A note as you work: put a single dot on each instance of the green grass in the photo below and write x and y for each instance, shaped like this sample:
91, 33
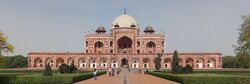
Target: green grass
35, 77
207, 77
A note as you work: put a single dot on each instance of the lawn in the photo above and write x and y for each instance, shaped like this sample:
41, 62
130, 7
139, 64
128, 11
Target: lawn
207, 77
35, 77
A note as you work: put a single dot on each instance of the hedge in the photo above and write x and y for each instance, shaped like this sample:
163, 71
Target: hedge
213, 71
39, 79
222, 79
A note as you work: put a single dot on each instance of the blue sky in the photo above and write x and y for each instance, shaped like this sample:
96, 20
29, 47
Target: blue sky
59, 25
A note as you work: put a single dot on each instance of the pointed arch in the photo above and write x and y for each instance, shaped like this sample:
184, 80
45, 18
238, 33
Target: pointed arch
167, 63
82, 63
59, 61
104, 63
114, 63
190, 61
93, 63
38, 62
49, 61
151, 47
200, 63
124, 44
135, 63
146, 63
99, 47
211, 63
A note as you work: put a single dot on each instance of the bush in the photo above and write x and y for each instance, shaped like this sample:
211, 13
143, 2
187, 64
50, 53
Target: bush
188, 69
186, 79
158, 62
63, 68
38, 79
48, 70
72, 68
176, 68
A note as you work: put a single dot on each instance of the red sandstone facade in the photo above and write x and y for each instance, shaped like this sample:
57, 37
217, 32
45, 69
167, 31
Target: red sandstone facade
125, 45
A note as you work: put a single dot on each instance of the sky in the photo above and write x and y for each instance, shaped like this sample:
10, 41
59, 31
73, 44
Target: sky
60, 25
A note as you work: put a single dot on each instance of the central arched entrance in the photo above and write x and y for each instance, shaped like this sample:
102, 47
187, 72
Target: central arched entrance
124, 62
124, 45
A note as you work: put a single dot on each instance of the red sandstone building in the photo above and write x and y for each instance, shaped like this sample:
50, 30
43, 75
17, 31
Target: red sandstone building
124, 45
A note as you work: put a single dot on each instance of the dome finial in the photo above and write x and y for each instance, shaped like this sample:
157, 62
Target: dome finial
124, 11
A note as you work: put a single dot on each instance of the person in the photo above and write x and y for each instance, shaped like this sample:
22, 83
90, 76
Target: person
94, 73
109, 72
140, 71
113, 72
118, 71
146, 71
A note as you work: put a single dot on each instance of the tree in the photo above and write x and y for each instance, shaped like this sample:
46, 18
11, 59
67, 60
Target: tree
72, 68
47, 70
4, 47
63, 68
230, 62
17, 61
2, 61
176, 68
158, 62
243, 48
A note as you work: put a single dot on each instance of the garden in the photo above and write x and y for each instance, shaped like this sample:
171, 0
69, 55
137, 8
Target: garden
206, 77
37, 77
186, 74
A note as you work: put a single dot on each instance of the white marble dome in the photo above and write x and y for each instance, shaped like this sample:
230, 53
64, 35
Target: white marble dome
124, 20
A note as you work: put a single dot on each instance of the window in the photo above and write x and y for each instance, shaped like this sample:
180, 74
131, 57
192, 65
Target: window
87, 43
99, 45
124, 46
99, 51
86, 51
138, 44
150, 45
138, 51
111, 51
111, 44
83, 65
150, 51
162, 43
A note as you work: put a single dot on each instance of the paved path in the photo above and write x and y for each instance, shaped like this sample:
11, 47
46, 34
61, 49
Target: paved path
126, 77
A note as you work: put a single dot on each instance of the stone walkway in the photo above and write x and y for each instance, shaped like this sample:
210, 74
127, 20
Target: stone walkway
126, 77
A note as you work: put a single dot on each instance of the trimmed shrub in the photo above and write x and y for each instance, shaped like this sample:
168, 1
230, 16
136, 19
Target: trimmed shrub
72, 68
176, 68
47, 70
158, 62
63, 68
188, 69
